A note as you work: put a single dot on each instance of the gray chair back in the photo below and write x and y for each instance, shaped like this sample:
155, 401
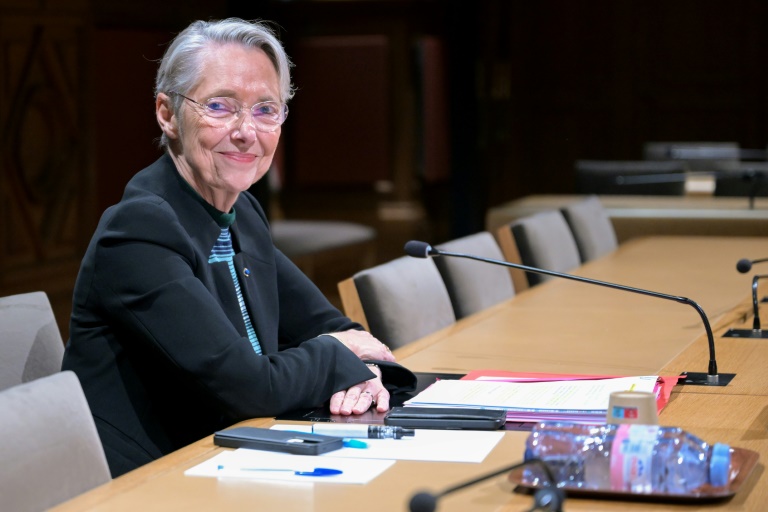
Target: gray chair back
630, 177
545, 241
591, 227
404, 300
30, 341
49, 446
474, 285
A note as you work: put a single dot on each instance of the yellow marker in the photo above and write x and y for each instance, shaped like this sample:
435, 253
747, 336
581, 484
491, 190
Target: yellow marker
632, 387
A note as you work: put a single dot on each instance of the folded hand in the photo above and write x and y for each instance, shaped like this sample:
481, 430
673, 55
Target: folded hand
360, 397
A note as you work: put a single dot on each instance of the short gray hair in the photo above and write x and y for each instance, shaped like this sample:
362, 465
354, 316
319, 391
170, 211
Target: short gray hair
180, 67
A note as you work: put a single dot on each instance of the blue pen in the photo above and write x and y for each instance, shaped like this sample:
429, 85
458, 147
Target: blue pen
313, 472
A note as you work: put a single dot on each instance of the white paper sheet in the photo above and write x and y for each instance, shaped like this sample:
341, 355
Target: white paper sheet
236, 464
566, 396
426, 444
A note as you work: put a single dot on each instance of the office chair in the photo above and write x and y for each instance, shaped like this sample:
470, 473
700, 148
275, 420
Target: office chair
545, 241
630, 177
30, 343
49, 446
399, 301
474, 285
591, 227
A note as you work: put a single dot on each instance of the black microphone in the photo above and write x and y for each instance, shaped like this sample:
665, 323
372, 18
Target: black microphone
756, 331
711, 378
548, 498
744, 265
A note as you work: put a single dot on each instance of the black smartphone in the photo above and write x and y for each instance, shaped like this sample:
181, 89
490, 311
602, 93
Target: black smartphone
298, 443
446, 418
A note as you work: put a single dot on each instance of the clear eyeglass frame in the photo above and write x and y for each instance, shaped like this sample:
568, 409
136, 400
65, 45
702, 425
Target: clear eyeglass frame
268, 116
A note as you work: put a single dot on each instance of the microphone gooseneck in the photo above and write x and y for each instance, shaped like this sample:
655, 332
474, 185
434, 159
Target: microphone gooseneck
424, 250
549, 498
744, 265
756, 321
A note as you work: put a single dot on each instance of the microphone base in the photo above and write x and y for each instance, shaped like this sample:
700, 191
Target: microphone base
702, 379
745, 333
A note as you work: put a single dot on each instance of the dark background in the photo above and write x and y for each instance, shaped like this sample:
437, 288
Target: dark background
411, 116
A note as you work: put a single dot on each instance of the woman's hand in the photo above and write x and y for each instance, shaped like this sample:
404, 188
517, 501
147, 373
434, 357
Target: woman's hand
364, 345
360, 397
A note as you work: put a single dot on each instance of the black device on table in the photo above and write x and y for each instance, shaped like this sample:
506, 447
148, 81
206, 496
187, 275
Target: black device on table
373, 417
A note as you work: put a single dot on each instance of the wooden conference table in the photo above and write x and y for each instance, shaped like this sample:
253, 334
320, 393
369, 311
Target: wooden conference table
560, 326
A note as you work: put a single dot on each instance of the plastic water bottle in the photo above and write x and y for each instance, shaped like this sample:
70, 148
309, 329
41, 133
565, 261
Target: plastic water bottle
626, 458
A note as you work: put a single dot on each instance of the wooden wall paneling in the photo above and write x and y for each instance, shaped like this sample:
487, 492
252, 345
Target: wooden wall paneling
341, 111
126, 130
435, 119
403, 121
45, 178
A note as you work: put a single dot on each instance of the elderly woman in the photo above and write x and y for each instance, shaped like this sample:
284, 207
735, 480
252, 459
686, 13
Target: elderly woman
186, 319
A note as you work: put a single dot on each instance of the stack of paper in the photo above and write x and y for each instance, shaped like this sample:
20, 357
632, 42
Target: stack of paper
532, 400
350, 465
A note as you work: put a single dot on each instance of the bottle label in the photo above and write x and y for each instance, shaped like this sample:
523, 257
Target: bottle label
631, 458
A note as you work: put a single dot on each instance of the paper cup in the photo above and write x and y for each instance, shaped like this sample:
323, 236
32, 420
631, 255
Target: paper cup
632, 407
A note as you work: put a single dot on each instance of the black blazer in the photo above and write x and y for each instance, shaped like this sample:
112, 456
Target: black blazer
157, 337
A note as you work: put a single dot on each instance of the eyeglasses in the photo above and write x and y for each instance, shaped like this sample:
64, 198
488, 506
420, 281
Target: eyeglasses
267, 115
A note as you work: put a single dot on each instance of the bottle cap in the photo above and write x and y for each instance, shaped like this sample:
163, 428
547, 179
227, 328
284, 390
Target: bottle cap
720, 465
632, 407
